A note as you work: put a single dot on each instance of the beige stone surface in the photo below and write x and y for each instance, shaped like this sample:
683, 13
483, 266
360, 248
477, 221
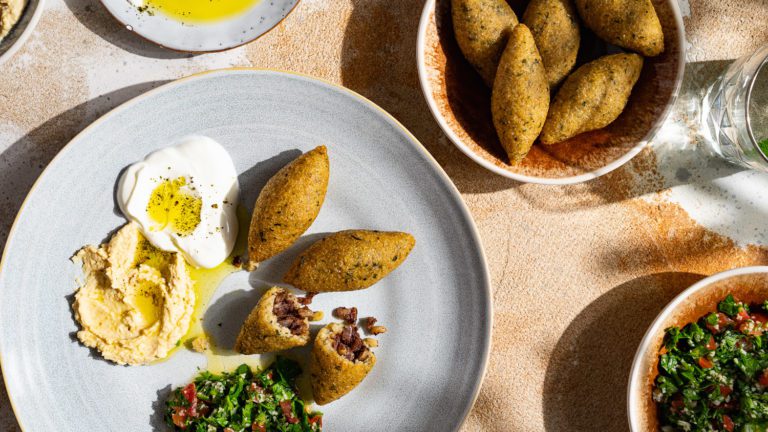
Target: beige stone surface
578, 272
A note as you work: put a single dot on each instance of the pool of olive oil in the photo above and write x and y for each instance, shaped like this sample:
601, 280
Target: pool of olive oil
206, 282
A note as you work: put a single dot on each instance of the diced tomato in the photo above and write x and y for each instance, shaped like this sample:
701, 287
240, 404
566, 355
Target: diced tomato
180, 417
722, 322
711, 345
705, 362
751, 328
190, 393
725, 390
203, 410
258, 427
727, 423
742, 315
745, 344
229, 429
763, 380
743, 327
316, 419
677, 403
288, 411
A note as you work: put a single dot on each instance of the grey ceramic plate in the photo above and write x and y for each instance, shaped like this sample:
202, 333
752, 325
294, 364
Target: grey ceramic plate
436, 305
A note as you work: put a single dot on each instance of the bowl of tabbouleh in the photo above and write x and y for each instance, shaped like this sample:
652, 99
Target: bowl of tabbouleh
703, 363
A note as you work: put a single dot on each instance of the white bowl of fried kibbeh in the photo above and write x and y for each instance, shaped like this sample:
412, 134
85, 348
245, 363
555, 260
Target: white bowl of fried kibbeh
551, 91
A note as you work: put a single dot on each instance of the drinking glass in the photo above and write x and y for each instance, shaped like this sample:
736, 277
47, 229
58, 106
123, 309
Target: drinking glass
734, 112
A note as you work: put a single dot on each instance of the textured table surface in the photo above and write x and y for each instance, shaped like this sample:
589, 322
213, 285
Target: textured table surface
578, 272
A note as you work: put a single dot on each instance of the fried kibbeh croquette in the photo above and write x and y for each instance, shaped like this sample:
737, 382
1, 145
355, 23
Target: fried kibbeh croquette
482, 28
520, 96
592, 97
630, 24
555, 28
278, 322
349, 260
287, 205
340, 361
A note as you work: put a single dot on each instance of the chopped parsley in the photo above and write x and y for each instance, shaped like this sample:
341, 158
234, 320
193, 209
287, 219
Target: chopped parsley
763, 146
713, 373
242, 401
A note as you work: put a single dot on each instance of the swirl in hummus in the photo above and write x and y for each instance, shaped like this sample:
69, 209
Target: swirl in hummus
135, 302
10, 12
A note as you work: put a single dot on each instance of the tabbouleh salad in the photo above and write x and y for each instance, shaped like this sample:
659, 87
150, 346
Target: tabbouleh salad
242, 401
713, 373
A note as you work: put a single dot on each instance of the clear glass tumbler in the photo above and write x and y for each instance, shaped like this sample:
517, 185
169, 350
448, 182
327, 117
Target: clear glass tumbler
734, 112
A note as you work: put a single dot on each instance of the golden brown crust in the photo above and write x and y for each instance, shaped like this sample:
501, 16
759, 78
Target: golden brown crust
592, 97
630, 24
288, 204
482, 28
332, 375
349, 260
262, 333
520, 97
555, 29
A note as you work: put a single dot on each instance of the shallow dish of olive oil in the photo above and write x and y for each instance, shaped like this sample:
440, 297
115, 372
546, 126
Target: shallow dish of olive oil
199, 10
200, 25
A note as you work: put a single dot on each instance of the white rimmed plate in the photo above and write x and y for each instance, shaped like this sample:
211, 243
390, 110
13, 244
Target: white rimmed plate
201, 37
436, 305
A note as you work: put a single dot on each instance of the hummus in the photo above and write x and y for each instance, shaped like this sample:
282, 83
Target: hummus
135, 302
10, 12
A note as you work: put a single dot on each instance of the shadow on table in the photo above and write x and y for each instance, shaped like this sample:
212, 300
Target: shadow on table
253, 179
681, 153
40, 145
96, 18
7, 418
381, 65
585, 386
157, 418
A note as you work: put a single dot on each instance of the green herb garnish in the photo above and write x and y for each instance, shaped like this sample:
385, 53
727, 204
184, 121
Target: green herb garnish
713, 374
242, 401
763, 146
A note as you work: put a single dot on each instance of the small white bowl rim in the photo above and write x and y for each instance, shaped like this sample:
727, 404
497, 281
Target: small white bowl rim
649, 337
429, 7
26, 33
